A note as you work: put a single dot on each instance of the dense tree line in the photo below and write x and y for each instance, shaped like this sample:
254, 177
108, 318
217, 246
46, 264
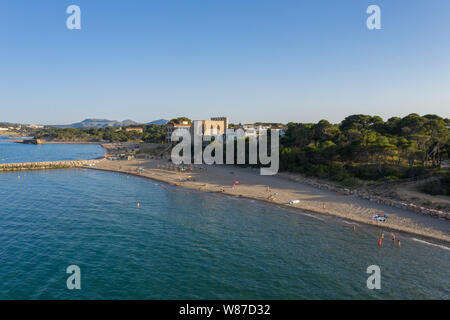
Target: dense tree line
366, 147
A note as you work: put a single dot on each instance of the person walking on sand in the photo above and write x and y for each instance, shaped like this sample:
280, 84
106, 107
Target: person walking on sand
268, 189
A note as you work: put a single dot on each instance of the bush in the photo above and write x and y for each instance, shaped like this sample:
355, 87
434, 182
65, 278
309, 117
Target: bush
352, 182
438, 187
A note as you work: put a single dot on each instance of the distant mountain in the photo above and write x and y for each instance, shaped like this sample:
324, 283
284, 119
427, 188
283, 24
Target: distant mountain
102, 123
9, 124
159, 122
97, 123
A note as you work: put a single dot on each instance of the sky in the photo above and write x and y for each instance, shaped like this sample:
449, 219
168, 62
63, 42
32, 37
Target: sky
250, 60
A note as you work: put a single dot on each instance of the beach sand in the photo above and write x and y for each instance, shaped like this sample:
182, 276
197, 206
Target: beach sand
219, 178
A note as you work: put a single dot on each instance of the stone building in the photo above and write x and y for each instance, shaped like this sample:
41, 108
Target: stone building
215, 126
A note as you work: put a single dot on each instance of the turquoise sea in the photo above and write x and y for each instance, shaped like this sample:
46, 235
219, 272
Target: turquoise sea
182, 244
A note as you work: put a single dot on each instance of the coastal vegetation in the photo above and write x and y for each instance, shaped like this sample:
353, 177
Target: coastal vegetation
180, 120
440, 186
360, 148
365, 147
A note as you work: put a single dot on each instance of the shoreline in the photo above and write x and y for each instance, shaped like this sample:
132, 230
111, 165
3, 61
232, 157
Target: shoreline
399, 220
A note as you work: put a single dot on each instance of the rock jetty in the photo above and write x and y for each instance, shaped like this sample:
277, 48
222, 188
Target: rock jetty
46, 165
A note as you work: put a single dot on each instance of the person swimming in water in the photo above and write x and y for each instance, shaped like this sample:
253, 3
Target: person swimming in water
380, 242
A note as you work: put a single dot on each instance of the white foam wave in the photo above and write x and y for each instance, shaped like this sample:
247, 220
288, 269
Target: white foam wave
431, 244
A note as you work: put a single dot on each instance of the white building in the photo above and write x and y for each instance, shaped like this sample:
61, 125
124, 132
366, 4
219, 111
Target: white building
252, 130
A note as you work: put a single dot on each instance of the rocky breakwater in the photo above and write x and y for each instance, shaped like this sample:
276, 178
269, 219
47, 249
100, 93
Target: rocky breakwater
46, 165
367, 195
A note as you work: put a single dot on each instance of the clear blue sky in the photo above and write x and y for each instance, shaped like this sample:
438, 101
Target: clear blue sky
250, 60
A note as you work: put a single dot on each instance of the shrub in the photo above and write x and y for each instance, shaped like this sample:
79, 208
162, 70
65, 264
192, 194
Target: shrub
438, 187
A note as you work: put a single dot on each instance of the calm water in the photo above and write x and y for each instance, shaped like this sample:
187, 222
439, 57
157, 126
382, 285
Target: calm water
16, 152
186, 245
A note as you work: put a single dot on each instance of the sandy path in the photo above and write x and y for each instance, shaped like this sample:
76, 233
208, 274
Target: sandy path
252, 185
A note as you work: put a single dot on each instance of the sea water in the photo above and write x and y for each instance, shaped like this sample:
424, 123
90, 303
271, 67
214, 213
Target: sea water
182, 244
11, 152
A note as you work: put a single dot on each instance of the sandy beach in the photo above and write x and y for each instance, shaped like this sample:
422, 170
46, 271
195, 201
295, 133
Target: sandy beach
219, 179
